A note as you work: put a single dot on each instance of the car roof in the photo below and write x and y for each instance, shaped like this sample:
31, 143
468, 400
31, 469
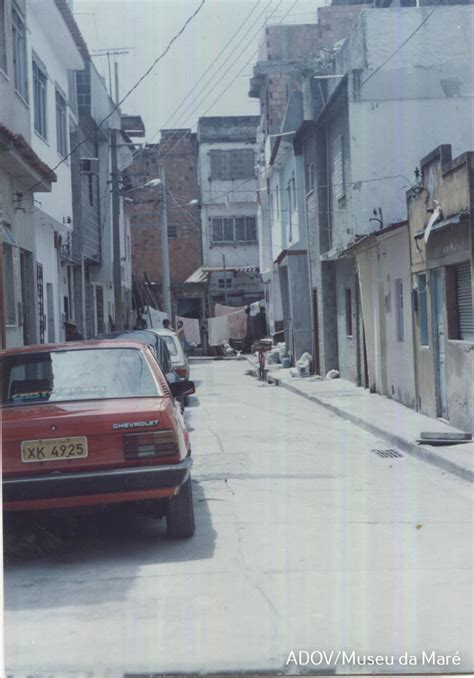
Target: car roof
75, 345
164, 332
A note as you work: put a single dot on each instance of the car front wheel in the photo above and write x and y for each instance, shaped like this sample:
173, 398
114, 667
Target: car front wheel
180, 522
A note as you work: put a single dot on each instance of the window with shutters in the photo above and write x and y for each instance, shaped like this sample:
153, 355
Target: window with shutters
40, 80
61, 124
338, 173
235, 164
465, 315
19, 53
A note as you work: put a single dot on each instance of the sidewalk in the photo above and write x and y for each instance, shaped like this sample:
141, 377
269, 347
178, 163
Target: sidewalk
399, 425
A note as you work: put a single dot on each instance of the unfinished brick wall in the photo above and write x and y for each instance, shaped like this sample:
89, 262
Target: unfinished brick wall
285, 46
178, 151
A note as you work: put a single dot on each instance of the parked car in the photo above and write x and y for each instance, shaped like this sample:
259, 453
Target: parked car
157, 344
91, 423
179, 359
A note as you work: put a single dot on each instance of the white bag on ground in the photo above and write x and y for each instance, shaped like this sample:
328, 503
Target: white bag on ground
304, 365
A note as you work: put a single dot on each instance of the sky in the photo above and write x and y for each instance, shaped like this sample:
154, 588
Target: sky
226, 32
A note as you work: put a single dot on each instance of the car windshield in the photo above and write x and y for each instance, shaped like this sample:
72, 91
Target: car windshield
171, 344
89, 374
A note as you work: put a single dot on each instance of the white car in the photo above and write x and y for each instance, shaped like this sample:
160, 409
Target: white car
179, 359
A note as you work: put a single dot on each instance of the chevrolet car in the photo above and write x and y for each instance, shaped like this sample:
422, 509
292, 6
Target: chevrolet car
92, 423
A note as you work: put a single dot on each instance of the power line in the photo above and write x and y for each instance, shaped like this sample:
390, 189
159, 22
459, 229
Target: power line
207, 71
130, 91
403, 43
215, 84
233, 80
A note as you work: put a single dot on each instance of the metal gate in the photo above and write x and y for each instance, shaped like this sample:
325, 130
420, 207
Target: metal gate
464, 299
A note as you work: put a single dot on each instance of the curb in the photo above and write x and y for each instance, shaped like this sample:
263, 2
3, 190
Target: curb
402, 443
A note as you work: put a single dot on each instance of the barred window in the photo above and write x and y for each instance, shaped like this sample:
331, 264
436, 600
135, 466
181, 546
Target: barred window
234, 229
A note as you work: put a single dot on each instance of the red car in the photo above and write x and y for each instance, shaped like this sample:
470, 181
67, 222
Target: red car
91, 423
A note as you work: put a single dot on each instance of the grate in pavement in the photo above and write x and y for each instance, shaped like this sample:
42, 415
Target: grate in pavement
388, 453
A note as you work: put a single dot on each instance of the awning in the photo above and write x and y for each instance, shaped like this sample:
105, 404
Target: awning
201, 275
7, 236
444, 223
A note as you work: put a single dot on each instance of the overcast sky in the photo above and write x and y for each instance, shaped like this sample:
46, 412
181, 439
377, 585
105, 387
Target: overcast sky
146, 26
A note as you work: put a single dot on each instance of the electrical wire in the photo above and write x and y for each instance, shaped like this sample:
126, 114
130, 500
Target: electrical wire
125, 97
227, 45
403, 43
183, 118
244, 66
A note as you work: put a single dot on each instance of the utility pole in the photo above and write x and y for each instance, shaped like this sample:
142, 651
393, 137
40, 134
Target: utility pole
225, 279
117, 264
165, 262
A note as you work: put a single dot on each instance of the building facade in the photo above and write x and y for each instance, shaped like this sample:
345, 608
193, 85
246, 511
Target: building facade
173, 159
442, 273
228, 190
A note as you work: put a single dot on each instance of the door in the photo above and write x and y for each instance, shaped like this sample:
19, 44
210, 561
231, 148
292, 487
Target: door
317, 361
439, 334
27, 297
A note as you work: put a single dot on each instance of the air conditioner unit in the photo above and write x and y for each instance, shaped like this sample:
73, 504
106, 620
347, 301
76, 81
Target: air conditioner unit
89, 165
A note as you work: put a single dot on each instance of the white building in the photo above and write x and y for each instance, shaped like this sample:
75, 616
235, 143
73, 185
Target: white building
37, 48
228, 187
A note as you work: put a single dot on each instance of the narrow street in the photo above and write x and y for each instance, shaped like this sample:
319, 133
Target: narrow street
306, 540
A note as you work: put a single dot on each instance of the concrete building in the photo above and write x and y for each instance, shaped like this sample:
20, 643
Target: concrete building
228, 190
176, 155
287, 55
367, 141
38, 50
288, 241
442, 278
90, 251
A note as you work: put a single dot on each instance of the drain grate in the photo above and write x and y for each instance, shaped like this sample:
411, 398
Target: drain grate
388, 453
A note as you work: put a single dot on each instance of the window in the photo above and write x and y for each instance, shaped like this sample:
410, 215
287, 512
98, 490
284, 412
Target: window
236, 164
234, 229
19, 54
399, 324
277, 201
9, 285
423, 310
338, 173
172, 232
464, 301
61, 124
40, 80
90, 189
309, 177
289, 197
66, 376
348, 307
3, 45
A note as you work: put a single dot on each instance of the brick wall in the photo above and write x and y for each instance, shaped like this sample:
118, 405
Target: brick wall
287, 45
179, 152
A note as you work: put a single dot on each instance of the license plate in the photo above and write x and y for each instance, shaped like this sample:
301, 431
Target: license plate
54, 449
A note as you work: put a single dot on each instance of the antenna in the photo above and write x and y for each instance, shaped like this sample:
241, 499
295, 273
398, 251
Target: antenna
115, 52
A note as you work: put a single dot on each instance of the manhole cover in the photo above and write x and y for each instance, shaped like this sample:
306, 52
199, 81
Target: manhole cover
388, 453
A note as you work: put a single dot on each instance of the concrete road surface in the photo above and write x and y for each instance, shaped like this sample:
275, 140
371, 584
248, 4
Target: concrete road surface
307, 540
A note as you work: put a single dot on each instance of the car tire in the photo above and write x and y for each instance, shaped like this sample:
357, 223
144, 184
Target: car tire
180, 522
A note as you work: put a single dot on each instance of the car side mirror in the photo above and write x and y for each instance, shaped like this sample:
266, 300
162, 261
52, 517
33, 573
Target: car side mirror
182, 388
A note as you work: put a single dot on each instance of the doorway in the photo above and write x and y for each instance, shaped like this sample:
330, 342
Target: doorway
439, 336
